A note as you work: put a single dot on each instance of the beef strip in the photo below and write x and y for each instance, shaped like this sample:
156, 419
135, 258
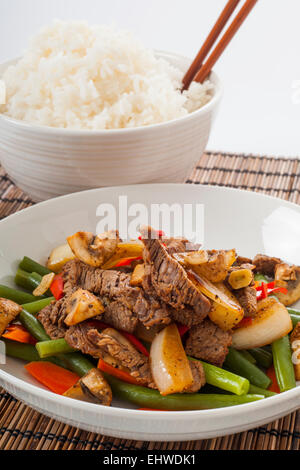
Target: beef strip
242, 260
52, 317
116, 345
247, 298
208, 342
170, 280
115, 286
265, 264
118, 315
77, 337
295, 335
185, 316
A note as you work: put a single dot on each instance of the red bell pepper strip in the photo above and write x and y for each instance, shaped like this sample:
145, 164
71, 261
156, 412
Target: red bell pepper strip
126, 261
270, 285
56, 378
182, 329
57, 286
118, 373
20, 334
139, 346
266, 289
274, 387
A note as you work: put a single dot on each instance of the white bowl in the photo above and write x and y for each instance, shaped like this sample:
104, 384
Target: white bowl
47, 162
272, 227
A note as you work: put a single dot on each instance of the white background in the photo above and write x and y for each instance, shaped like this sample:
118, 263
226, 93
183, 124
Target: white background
260, 112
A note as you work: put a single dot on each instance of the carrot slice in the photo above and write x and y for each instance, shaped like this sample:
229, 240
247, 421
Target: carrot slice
19, 333
274, 387
56, 378
118, 373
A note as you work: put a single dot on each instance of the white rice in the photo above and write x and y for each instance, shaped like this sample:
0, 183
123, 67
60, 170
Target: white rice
81, 77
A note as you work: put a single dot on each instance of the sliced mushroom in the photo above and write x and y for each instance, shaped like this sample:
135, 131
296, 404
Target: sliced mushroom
82, 305
9, 310
288, 277
212, 264
92, 387
77, 393
94, 250
44, 284
137, 275
95, 386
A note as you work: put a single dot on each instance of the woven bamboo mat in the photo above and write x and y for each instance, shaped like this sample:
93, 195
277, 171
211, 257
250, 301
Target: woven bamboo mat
23, 428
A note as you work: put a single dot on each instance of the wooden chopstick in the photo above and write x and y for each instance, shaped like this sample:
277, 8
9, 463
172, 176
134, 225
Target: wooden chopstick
209, 42
206, 68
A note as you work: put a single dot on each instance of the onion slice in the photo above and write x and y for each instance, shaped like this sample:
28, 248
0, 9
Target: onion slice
169, 364
271, 323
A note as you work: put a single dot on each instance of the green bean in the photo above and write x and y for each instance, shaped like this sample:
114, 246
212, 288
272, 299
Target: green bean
237, 363
35, 307
224, 380
53, 347
29, 265
28, 281
24, 351
74, 361
16, 295
260, 391
282, 359
27, 352
149, 398
295, 315
77, 363
31, 323
263, 358
248, 356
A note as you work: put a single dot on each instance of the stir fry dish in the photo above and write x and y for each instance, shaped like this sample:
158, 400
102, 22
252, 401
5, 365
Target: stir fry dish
158, 322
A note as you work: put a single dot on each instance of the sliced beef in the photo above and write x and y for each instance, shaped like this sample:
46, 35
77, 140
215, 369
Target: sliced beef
175, 245
117, 346
115, 286
185, 316
52, 318
247, 298
170, 280
208, 342
77, 337
266, 264
295, 335
242, 260
118, 315
179, 245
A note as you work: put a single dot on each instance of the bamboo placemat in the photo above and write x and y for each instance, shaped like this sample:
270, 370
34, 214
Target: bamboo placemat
23, 428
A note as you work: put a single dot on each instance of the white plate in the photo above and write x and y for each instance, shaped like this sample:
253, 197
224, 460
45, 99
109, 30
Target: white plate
250, 222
